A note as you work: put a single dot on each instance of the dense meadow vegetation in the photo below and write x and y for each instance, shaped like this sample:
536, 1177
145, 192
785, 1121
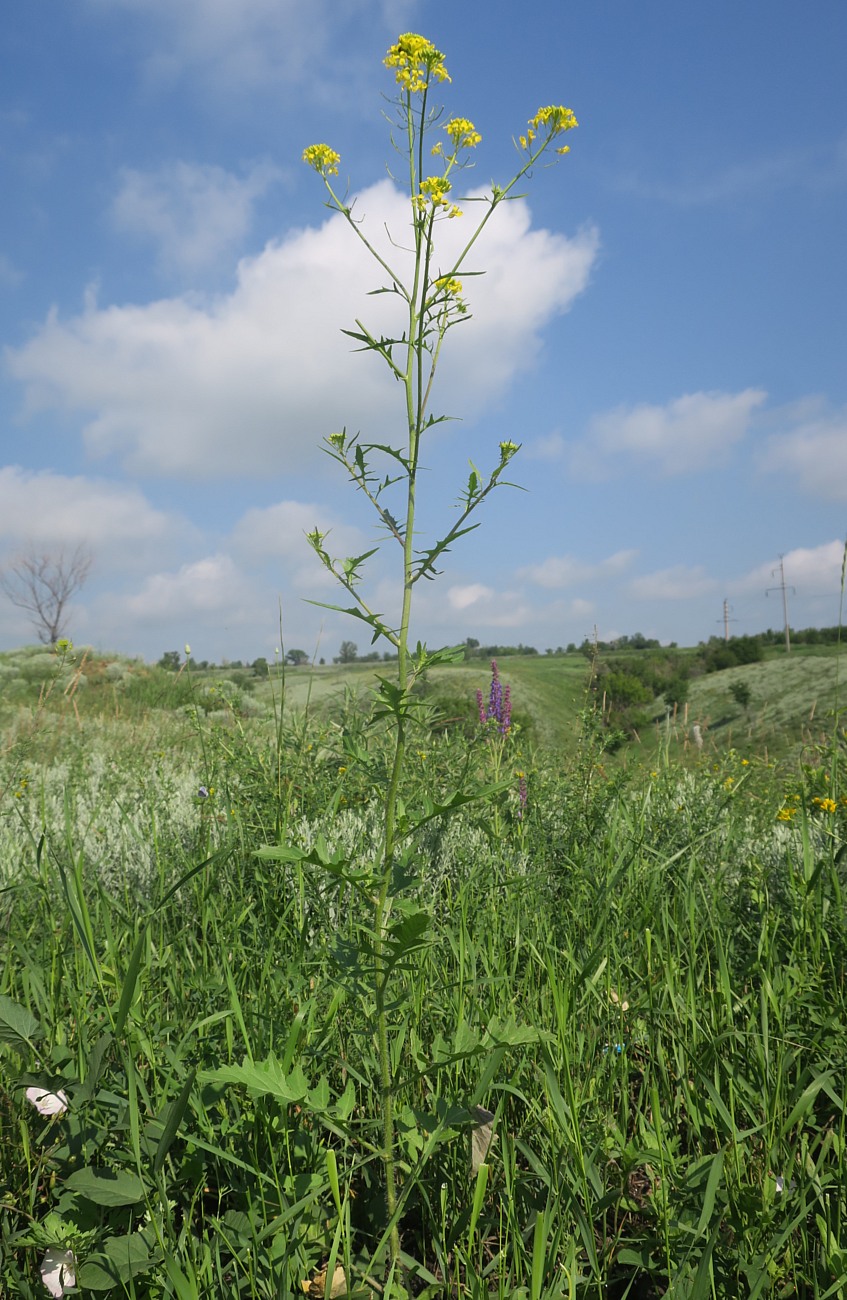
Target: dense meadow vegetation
618, 1061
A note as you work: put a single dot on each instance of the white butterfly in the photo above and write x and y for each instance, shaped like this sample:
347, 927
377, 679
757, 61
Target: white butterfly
48, 1103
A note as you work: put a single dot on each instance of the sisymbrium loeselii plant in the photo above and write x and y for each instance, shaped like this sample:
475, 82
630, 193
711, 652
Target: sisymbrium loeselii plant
431, 299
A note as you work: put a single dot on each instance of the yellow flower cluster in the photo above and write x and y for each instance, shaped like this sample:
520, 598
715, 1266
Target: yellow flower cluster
554, 119
825, 805
415, 61
463, 133
433, 192
322, 158
449, 285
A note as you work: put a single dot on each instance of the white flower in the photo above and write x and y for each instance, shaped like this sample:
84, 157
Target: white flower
48, 1103
58, 1271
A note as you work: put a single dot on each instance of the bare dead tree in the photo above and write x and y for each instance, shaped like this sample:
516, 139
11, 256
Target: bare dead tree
43, 584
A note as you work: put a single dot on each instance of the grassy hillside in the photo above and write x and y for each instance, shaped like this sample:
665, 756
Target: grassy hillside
793, 698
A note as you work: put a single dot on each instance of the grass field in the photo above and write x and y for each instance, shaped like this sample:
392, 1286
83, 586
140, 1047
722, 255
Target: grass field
618, 987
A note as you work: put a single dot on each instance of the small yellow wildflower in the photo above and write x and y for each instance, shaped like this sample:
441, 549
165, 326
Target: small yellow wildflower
825, 805
745, 762
415, 61
785, 814
556, 118
434, 191
322, 158
463, 133
729, 783
448, 285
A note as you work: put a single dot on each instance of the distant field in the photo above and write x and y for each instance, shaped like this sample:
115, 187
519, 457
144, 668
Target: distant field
793, 698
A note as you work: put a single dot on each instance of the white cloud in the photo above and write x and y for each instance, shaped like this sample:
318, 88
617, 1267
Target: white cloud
249, 382
559, 571
240, 44
581, 608
686, 435
464, 597
813, 456
195, 214
812, 571
679, 582
550, 446
278, 533
212, 586
56, 510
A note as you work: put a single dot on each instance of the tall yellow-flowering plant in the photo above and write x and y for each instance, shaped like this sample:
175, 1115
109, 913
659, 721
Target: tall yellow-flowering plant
433, 302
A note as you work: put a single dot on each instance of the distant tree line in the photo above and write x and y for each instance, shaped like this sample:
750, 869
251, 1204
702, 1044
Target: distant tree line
805, 636
348, 653
658, 670
473, 650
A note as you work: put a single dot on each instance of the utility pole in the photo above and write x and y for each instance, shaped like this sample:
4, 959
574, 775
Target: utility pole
782, 587
726, 619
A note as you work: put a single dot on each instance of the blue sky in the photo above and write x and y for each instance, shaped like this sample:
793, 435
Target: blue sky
661, 324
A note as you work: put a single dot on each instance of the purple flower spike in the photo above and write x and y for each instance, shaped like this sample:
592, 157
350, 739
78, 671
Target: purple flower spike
499, 710
495, 695
506, 712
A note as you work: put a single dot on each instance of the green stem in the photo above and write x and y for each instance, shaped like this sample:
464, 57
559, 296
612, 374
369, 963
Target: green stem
383, 902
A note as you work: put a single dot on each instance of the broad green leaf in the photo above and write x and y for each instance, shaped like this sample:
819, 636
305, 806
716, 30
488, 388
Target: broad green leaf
407, 935
266, 1078
346, 1102
107, 1186
465, 1041
508, 1033
18, 1027
120, 1259
318, 1097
